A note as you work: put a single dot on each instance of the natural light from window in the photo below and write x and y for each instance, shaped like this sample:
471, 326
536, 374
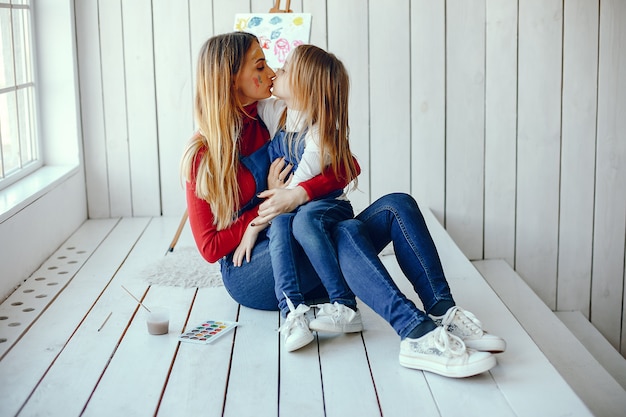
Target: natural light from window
19, 153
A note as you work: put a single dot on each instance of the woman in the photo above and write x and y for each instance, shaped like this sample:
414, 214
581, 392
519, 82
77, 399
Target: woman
226, 165
225, 177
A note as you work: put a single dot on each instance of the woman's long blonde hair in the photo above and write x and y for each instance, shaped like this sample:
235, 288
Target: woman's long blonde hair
218, 114
320, 86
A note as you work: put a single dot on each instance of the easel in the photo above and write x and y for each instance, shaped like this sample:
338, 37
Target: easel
183, 220
276, 8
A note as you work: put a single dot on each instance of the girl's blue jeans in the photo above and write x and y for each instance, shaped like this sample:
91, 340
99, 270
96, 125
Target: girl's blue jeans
392, 218
310, 227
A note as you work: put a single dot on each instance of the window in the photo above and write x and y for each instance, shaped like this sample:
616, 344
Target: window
19, 150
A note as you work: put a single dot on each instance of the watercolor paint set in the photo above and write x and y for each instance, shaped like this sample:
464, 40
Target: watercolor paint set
207, 331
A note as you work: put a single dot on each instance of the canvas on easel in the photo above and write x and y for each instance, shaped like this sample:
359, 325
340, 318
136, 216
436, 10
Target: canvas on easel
278, 31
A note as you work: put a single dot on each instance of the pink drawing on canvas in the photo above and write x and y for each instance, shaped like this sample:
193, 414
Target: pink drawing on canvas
281, 49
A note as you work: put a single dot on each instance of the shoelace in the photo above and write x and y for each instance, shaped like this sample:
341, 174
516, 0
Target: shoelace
295, 315
334, 311
448, 343
468, 319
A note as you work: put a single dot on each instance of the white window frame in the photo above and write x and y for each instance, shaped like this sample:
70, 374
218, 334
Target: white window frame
57, 107
29, 166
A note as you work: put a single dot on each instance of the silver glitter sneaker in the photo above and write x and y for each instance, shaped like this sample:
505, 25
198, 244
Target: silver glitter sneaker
442, 353
465, 325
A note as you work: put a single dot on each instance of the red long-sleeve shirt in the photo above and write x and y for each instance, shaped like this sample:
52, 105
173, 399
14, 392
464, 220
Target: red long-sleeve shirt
214, 244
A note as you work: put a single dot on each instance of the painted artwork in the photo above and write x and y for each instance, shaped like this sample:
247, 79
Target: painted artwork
278, 33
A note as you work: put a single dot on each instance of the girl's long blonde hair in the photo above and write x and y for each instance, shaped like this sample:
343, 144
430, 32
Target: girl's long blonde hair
320, 86
218, 114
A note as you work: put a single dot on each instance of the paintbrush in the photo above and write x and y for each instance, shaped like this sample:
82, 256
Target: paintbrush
136, 299
105, 321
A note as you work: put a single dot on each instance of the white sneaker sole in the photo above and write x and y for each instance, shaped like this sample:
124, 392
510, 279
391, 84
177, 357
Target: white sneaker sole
486, 345
452, 371
327, 327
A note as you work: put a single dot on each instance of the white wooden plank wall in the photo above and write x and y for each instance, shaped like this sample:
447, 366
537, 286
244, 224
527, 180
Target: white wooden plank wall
389, 100
538, 141
465, 123
428, 104
500, 129
607, 285
139, 82
580, 80
504, 117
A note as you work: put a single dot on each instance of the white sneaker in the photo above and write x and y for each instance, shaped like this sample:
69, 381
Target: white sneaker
295, 329
465, 325
337, 318
445, 354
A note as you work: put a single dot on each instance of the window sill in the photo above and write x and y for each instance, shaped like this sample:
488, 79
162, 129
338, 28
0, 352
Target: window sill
19, 195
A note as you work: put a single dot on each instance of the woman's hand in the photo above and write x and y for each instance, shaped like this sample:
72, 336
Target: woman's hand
279, 174
248, 240
278, 201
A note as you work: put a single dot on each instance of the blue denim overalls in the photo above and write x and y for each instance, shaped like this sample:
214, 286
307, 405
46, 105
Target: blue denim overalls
279, 147
258, 163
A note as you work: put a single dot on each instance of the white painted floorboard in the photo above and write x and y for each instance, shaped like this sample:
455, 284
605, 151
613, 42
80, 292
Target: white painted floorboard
596, 344
64, 366
562, 350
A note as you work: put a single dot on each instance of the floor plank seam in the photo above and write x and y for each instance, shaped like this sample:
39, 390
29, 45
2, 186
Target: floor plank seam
369, 366
230, 361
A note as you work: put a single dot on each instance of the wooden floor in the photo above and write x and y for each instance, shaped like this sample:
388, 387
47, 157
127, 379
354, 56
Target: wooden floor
59, 364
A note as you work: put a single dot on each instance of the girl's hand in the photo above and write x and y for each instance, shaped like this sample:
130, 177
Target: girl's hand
279, 201
279, 174
248, 240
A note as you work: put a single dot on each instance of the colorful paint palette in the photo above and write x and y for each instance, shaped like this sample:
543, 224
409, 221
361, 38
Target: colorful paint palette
207, 331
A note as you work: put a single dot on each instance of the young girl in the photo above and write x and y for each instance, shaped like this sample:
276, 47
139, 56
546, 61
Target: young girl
311, 124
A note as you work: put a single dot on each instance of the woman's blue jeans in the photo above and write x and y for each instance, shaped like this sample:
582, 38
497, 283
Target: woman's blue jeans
252, 283
392, 218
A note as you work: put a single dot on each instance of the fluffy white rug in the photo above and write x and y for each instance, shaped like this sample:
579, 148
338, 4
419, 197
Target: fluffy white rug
184, 267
